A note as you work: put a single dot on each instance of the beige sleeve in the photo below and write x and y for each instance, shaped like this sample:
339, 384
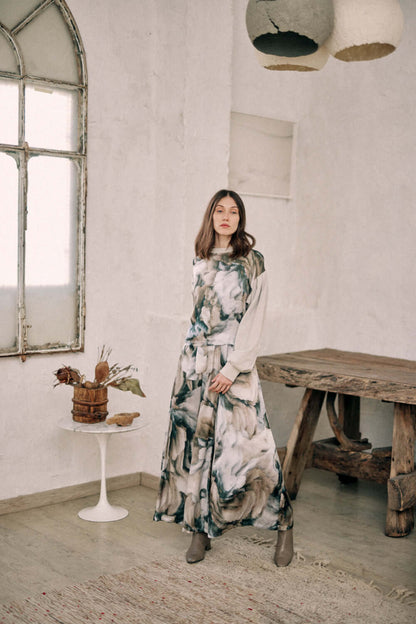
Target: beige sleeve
247, 343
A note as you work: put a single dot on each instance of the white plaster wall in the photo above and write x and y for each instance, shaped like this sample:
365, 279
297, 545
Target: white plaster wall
340, 254
163, 77
159, 102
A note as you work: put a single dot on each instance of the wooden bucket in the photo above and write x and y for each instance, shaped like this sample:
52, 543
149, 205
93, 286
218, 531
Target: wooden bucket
90, 404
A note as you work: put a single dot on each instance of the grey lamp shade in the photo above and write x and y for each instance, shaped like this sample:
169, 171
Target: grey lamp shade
365, 29
289, 28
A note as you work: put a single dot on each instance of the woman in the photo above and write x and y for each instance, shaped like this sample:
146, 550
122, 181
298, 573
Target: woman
220, 467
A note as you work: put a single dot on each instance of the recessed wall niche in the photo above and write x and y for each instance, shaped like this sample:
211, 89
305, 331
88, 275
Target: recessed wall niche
262, 152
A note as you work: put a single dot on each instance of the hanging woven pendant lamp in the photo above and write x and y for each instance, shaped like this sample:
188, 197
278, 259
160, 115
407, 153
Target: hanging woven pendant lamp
311, 62
289, 27
365, 29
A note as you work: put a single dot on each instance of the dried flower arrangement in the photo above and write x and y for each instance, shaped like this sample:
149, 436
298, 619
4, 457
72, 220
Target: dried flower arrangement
90, 397
105, 375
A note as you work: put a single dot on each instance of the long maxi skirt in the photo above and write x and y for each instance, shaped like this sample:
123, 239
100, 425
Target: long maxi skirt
220, 467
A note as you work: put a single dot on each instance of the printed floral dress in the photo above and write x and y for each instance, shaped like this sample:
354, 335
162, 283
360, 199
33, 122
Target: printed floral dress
220, 466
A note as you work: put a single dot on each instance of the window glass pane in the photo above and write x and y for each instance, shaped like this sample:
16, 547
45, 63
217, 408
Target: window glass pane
14, 11
7, 57
51, 221
51, 251
51, 312
48, 31
9, 111
8, 250
51, 118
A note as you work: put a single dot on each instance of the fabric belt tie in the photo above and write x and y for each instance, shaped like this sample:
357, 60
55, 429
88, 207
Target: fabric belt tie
208, 357
201, 361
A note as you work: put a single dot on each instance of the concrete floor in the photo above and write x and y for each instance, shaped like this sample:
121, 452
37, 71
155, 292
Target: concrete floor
50, 547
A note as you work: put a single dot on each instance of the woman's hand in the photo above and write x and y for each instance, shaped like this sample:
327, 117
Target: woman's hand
220, 384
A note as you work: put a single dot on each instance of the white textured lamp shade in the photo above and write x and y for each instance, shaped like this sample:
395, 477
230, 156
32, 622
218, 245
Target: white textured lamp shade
311, 62
289, 27
365, 29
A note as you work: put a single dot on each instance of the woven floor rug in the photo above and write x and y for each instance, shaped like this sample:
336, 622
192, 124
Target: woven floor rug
236, 583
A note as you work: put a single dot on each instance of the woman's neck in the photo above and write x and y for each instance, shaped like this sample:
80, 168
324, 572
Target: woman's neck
222, 241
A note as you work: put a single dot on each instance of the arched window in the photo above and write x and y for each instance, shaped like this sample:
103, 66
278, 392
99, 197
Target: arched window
43, 113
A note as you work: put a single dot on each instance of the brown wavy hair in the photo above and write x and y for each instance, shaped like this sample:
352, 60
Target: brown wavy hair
241, 241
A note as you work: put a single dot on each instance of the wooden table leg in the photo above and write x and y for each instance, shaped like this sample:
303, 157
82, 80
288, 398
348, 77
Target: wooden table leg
349, 417
400, 523
300, 439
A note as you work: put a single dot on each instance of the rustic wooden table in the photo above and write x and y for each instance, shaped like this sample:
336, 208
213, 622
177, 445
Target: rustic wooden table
351, 376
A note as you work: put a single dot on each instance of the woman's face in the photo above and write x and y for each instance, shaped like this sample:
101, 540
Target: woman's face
226, 217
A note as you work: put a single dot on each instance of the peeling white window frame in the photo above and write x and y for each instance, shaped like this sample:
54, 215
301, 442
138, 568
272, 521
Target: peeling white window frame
22, 152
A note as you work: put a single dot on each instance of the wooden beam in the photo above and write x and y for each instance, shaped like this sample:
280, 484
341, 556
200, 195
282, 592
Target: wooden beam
328, 455
402, 491
382, 451
400, 523
300, 439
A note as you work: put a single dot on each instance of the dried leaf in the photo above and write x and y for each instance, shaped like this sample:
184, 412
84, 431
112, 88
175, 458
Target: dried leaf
129, 385
67, 375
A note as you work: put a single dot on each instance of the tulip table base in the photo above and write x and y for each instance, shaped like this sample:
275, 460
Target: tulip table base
103, 511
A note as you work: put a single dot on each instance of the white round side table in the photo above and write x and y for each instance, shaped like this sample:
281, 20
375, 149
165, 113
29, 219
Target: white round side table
102, 511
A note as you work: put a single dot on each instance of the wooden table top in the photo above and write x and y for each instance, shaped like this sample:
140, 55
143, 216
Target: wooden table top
358, 374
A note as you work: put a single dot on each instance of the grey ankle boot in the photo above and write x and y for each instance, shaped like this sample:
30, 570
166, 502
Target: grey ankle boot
284, 548
199, 544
